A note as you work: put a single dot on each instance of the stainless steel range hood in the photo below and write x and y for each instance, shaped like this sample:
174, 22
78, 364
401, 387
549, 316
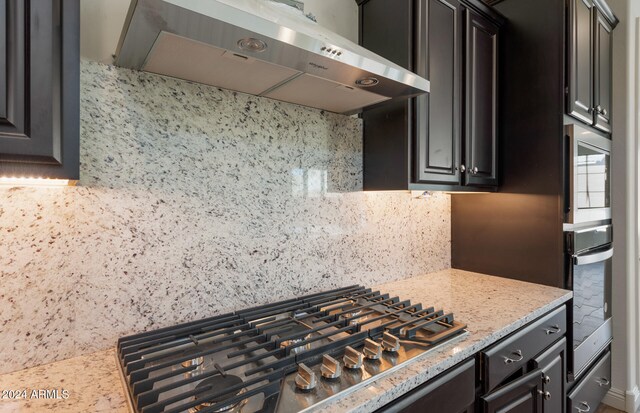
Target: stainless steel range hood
263, 48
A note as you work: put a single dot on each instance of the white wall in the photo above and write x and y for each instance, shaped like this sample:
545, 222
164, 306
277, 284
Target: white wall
102, 22
624, 394
100, 26
341, 16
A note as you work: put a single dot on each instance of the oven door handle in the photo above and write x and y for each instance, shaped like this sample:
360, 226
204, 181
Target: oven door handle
593, 258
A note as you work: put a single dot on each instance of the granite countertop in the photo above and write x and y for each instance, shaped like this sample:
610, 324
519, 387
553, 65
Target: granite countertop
491, 307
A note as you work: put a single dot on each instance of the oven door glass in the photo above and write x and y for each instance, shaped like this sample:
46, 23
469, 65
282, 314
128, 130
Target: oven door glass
591, 300
592, 186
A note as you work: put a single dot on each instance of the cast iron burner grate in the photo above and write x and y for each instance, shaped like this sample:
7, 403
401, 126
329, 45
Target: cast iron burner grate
246, 361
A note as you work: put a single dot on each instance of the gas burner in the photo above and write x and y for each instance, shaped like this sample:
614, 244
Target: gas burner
354, 314
193, 362
217, 384
298, 349
293, 329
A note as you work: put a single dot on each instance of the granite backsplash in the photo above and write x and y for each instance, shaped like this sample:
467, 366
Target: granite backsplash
194, 201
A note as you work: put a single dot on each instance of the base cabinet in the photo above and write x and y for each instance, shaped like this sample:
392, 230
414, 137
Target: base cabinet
452, 392
526, 371
533, 381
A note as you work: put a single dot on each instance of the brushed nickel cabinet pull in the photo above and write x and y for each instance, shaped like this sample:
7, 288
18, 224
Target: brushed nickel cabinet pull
553, 330
586, 408
518, 353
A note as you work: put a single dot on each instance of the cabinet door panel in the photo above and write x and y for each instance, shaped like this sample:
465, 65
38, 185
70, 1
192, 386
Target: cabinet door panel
29, 83
580, 44
553, 365
3, 59
603, 80
39, 113
14, 23
437, 115
520, 396
481, 102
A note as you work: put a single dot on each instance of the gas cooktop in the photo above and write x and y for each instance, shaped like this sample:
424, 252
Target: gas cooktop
286, 357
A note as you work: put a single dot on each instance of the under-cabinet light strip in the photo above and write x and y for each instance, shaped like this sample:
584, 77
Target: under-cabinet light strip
40, 182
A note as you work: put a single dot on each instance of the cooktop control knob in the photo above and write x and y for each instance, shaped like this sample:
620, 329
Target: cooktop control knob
331, 368
352, 358
390, 343
372, 350
306, 378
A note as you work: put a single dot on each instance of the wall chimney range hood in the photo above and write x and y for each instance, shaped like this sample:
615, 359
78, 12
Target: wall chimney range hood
263, 48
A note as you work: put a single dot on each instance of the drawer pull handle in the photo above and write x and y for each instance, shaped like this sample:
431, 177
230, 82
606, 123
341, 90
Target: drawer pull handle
603, 382
554, 330
586, 408
518, 353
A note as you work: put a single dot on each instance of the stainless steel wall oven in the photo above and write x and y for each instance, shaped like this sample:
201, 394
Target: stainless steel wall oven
589, 256
588, 176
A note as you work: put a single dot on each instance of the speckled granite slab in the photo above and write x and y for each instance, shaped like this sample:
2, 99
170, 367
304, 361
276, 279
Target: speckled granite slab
492, 307
92, 384
195, 201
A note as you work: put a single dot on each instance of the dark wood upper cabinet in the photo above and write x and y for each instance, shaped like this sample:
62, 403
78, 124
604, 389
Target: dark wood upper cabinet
481, 131
589, 63
545, 69
386, 28
603, 72
580, 62
39, 88
431, 142
437, 143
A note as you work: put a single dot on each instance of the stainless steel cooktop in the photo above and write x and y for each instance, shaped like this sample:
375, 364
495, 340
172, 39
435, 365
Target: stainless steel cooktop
286, 357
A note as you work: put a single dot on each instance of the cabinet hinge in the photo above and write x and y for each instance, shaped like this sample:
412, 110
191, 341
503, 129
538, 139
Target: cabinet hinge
566, 90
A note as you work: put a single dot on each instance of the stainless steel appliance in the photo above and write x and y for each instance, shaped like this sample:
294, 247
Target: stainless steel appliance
263, 48
588, 177
590, 274
289, 356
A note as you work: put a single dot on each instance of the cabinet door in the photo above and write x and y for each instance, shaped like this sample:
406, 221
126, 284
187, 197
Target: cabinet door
603, 82
453, 392
481, 132
438, 58
552, 363
580, 62
39, 88
523, 395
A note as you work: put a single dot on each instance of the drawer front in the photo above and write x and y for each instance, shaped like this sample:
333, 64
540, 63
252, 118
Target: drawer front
514, 352
588, 394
